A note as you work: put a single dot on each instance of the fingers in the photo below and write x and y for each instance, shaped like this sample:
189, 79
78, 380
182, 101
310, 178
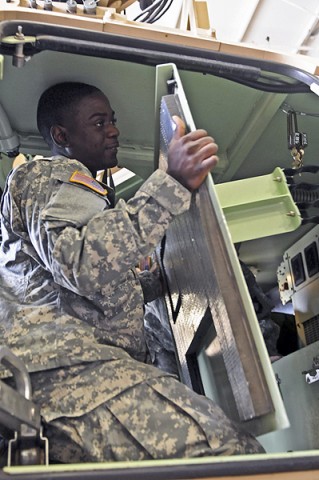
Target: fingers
203, 146
208, 164
180, 127
180, 131
200, 172
154, 268
191, 156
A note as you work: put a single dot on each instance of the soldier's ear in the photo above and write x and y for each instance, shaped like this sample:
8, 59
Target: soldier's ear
59, 136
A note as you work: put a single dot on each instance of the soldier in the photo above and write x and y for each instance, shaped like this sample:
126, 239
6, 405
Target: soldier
72, 304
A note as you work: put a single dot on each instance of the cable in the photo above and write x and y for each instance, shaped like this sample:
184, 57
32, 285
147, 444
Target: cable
145, 4
163, 12
269, 86
154, 12
304, 196
286, 108
245, 71
147, 10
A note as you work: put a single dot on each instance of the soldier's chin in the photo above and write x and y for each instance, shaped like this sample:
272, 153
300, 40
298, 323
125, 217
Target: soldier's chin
115, 163
111, 162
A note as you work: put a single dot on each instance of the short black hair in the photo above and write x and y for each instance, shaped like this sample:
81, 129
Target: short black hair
56, 101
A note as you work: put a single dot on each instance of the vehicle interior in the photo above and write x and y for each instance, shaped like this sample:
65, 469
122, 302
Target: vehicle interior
259, 205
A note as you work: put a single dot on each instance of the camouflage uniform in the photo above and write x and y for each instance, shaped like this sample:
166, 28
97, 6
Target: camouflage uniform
72, 309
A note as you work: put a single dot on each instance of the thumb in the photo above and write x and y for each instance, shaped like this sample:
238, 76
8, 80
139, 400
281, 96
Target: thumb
180, 128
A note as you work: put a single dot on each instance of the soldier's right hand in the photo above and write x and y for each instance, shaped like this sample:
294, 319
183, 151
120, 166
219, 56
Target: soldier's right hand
191, 156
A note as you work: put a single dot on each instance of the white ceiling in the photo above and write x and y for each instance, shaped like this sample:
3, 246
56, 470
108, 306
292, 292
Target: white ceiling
289, 26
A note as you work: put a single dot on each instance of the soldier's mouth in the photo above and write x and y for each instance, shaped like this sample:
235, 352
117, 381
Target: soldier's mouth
113, 147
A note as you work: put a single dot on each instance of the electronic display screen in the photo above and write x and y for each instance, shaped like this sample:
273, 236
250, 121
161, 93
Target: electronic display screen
298, 270
312, 260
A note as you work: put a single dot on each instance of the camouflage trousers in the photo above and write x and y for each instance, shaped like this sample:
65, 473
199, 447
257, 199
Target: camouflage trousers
154, 419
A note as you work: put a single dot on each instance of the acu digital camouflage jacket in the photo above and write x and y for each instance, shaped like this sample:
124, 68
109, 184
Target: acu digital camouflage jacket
69, 290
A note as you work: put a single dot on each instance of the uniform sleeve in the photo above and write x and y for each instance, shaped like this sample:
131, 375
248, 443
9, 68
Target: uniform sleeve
89, 251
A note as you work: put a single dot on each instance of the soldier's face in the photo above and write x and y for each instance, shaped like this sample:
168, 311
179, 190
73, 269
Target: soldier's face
92, 135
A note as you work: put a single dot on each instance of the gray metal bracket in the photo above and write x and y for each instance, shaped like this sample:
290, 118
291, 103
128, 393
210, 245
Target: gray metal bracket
20, 415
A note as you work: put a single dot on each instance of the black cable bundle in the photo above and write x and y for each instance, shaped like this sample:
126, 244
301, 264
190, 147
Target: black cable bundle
154, 11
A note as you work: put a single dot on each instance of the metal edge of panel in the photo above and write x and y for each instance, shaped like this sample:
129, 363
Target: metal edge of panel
217, 468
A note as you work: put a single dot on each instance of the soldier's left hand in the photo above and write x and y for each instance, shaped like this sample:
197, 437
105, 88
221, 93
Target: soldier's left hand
191, 156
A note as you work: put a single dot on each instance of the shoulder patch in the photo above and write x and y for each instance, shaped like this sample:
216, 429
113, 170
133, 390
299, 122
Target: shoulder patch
81, 178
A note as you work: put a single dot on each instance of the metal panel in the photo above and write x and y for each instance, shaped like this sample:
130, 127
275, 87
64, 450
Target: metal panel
206, 284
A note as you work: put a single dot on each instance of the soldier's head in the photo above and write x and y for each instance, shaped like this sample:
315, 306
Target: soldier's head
77, 121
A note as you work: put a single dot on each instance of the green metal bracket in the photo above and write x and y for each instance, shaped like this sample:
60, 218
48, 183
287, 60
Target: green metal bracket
258, 207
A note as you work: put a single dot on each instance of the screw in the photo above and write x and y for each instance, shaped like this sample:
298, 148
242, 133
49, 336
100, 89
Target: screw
19, 34
71, 6
48, 5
